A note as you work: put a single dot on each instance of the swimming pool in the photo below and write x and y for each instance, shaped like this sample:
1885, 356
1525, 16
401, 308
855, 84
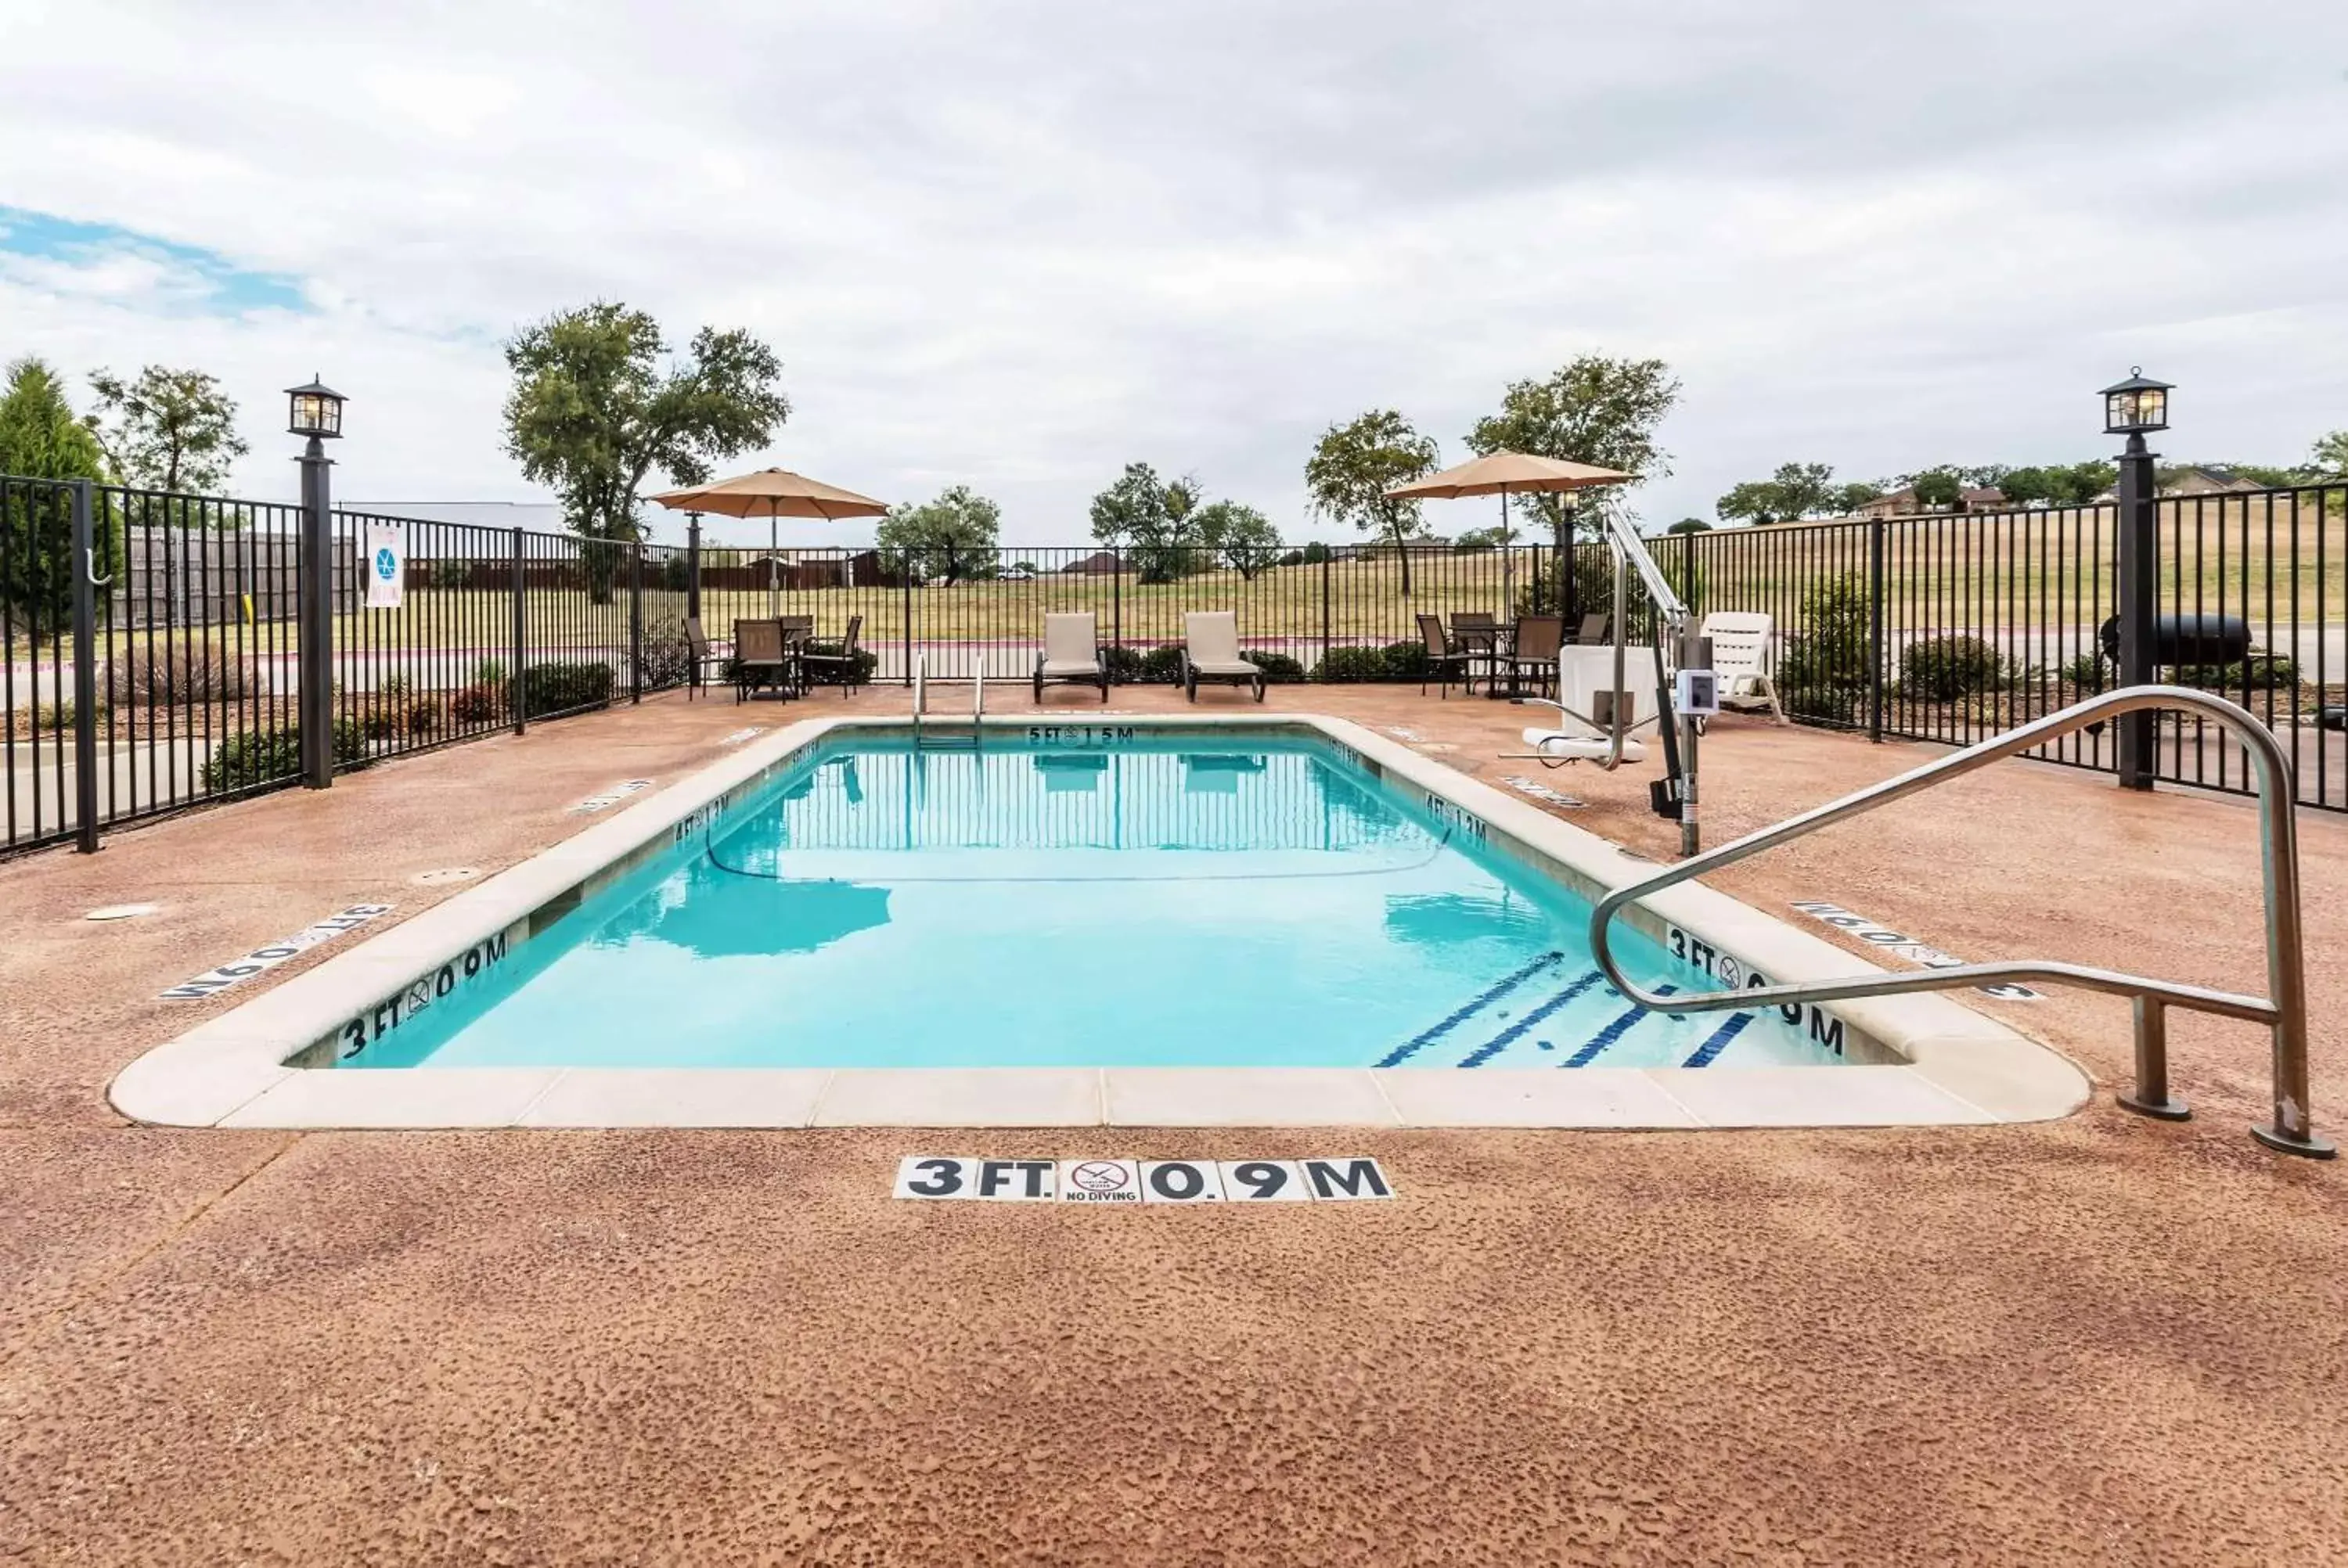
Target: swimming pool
1125, 897
1278, 920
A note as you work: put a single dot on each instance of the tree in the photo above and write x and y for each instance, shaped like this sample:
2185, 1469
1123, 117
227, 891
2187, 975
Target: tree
2329, 456
1804, 489
40, 439
1754, 501
1132, 514
1242, 535
1593, 409
172, 430
1467, 541
1353, 464
948, 537
1938, 487
1854, 495
1690, 525
593, 411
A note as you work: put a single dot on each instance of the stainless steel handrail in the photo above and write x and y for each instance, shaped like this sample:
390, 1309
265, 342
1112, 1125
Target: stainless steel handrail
2284, 1011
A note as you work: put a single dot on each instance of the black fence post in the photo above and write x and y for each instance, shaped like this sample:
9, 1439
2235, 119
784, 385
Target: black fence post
317, 619
517, 689
693, 577
1116, 596
2139, 579
905, 580
85, 617
1875, 650
636, 624
1325, 553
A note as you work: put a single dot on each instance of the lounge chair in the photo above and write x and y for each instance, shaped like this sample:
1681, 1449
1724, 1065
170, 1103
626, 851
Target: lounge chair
838, 665
1447, 660
703, 655
1071, 653
762, 658
1211, 651
1741, 658
1534, 653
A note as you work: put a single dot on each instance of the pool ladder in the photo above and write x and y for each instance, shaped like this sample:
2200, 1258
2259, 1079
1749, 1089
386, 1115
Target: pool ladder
2283, 1011
924, 742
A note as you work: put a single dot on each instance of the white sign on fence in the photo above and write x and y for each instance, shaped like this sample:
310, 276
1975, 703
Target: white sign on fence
386, 566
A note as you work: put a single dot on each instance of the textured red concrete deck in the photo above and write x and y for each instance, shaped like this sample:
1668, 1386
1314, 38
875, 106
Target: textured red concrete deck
2102, 1339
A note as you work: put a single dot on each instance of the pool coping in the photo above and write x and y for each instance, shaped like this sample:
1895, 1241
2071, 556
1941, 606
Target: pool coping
1931, 1061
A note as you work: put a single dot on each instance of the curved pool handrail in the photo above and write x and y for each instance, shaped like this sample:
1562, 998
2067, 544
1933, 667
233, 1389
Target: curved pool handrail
2284, 1010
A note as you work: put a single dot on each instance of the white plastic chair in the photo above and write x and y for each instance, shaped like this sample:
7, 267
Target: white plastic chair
1743, 657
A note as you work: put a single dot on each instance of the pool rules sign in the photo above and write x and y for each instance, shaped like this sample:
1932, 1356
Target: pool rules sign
386, 545
1118, 1181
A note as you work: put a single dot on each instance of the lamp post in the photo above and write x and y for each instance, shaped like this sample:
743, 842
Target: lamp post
2131, 408
315, 410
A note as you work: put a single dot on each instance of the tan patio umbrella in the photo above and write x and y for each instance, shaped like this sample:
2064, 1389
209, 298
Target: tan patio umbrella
1504, 474
772, 494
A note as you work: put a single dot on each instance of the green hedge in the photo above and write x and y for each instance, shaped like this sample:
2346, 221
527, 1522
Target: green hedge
551, 689
2259, 673
264, 757
1943, 668
1278, 669
1395, 661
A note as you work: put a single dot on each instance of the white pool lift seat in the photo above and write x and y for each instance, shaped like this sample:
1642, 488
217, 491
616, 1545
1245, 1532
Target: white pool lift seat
1570, 746
1742, 656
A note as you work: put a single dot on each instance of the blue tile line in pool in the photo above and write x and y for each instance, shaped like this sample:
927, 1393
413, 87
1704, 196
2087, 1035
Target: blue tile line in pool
1410, 1048
1614, 1031
1718, 1040
1518, 1030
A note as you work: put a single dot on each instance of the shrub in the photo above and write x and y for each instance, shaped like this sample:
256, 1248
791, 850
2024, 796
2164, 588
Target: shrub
1313, 554
380, 725
264, 757
1340, 665
2086, 671
562, 688
1824, 672
392, 688
676, 573
1279, 668
1294, 557
489, 672
666, 657
867, 662
2259, 673
478, 705
1162, 665
424, 716
61, 715
176, 675
1123, 664
452, 574
1943, 668
1405, 660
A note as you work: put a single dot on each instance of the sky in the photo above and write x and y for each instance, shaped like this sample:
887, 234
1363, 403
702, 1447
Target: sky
1021, 244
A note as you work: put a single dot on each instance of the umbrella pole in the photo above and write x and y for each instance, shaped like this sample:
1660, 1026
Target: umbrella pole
774, 566
1508, 562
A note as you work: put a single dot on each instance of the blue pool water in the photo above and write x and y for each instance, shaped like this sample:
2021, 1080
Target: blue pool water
1165, 900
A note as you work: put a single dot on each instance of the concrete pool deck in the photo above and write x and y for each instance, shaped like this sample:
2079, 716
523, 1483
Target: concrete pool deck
2095, 1339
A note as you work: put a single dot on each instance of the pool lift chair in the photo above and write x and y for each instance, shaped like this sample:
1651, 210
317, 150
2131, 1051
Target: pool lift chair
1609, 738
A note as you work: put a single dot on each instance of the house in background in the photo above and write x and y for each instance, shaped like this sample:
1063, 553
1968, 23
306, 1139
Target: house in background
2208, 481
1902, 503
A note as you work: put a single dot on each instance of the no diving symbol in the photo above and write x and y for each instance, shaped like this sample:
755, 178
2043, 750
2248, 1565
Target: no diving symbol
386, 563
1099, 1176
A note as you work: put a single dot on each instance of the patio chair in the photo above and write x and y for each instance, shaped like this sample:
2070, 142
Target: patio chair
1534, 653
1742, 658
1211, 651
838, 664
1446, 658
1594, 628
1071, 653
762, 658
701, 655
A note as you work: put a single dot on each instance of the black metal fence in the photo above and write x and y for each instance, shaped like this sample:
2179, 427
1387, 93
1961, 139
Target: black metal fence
1940, 628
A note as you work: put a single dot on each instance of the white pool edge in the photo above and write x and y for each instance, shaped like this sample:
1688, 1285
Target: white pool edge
1949, 1065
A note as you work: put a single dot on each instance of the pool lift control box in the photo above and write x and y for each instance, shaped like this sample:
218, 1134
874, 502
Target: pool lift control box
1698, 696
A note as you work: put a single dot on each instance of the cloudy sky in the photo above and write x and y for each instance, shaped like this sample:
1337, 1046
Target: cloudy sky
1019, 244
